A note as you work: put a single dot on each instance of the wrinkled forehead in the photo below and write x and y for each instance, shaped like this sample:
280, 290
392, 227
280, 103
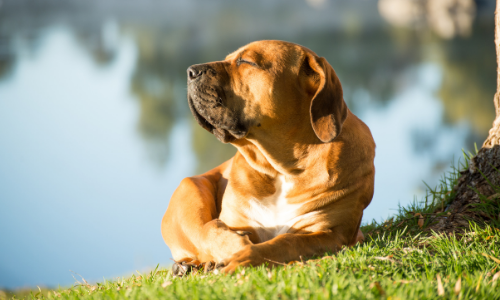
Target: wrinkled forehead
275, 52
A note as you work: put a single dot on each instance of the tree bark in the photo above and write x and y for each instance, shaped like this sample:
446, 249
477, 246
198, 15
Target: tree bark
494, 134
476, 184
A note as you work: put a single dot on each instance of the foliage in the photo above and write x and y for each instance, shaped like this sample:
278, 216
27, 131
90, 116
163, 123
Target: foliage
427, 211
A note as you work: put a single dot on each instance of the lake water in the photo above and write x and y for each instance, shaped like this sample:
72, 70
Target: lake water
95, 131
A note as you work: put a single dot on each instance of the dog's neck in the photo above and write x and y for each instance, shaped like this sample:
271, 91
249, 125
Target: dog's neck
287, 154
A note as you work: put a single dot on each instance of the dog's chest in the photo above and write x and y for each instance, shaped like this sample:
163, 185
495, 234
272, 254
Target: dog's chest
273, 215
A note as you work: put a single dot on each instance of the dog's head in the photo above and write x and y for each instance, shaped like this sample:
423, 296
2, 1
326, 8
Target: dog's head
267, 86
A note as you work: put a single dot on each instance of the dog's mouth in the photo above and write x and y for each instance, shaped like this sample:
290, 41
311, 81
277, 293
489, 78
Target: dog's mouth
224, 135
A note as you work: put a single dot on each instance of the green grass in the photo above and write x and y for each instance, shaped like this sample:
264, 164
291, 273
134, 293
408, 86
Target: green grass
391, 266
401, 259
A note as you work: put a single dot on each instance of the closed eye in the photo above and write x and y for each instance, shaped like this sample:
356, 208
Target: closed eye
240, 61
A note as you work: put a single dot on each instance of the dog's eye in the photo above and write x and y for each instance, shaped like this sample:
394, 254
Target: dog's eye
239, 61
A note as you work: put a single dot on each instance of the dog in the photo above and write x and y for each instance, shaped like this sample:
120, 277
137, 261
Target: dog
303, 173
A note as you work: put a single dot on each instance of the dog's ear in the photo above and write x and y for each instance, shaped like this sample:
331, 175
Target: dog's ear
328, 110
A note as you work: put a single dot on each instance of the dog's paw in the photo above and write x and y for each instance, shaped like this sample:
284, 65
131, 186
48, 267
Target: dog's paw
246, 257
181, 268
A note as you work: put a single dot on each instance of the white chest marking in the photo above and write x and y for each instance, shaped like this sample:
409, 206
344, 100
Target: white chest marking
273, 215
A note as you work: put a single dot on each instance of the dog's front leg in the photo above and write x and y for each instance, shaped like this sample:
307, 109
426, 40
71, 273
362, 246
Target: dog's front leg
190, 226
219, 242
289, 247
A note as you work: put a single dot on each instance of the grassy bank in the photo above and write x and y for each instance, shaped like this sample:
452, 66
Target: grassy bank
389, 266
401, 259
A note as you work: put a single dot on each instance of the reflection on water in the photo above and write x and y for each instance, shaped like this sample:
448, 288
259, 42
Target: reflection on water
446, 18
95, 131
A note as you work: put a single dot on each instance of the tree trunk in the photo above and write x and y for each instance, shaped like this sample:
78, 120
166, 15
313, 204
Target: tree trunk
477, 184
494, 135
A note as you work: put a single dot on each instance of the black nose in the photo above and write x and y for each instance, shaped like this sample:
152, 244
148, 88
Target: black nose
195, 71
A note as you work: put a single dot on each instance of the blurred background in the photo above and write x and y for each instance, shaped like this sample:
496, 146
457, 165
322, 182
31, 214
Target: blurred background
95, 131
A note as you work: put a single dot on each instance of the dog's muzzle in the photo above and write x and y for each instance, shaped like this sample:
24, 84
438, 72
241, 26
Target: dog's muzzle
208, 103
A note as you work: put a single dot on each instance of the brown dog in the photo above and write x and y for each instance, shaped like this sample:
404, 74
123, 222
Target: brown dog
303, 173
